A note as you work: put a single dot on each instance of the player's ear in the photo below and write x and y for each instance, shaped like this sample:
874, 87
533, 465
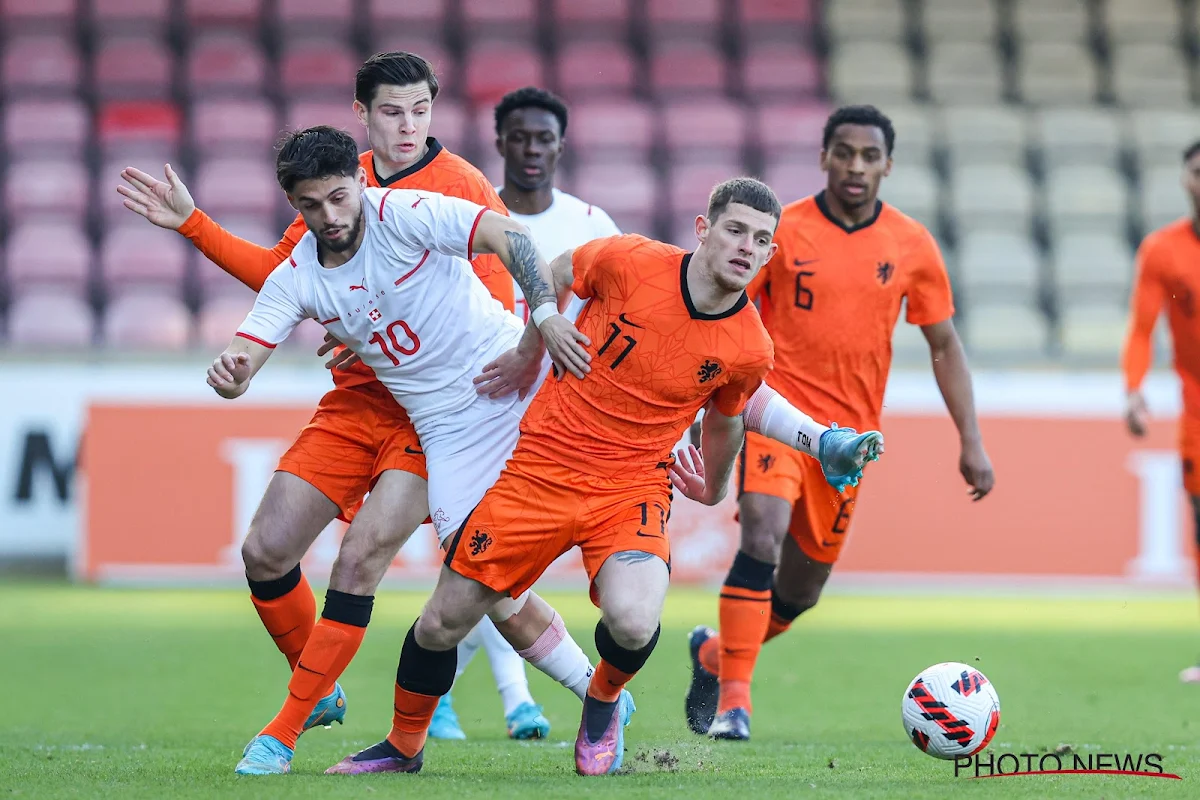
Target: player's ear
772, 250
887, 167
360, 178
500, 145
702, 227
292, 202
361, 112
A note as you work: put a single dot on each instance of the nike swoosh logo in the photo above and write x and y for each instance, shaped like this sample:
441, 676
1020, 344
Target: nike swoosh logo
413, 451
629, 322
648, 535
798, 263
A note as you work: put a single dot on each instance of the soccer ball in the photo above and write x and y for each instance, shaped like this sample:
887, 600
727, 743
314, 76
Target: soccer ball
950, 711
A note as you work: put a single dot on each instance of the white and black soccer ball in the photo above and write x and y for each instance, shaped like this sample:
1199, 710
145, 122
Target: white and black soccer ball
950, 711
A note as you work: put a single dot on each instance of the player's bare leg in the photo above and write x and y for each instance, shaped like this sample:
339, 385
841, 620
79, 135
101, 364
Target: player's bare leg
1192, 674
395, 507
631, 587
744, 614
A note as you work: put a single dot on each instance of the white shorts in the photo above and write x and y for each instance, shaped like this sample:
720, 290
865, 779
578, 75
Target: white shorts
465, 454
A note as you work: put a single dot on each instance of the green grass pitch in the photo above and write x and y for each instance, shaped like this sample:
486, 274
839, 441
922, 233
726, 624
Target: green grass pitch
152, 694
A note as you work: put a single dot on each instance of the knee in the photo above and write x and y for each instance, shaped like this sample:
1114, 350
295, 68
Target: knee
441, 629
262, 560
361, 562
761, 535
789, 602
632, 627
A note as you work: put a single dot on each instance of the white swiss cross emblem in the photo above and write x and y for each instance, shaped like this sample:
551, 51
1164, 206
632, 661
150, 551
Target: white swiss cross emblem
375, 315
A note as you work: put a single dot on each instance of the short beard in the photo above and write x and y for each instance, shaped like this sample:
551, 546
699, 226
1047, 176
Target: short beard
341, 247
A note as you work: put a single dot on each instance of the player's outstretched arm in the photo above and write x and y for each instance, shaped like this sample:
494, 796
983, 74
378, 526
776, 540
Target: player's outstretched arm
705, 478
1137, 351
232, 371
954, 382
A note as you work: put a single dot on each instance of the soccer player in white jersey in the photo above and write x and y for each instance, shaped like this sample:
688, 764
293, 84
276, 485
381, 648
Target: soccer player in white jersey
388, 272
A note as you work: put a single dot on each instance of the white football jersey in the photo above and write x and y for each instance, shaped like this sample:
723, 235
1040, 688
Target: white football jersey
566, 224
408, 302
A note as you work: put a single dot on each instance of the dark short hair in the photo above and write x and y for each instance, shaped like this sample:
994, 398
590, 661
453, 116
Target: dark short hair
392, 69
745, 191
870, 116
532, 97
1191, 150
314, 153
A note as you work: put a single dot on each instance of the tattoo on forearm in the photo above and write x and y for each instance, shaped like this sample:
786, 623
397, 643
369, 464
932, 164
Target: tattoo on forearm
523, 259
633, 556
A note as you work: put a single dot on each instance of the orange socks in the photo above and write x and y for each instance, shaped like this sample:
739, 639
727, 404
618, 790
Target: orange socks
331, 647
607, 682
745, 613
422, 677
288, 611
410, 720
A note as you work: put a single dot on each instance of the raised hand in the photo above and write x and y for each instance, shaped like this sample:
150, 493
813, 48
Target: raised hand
687, 475
167, 205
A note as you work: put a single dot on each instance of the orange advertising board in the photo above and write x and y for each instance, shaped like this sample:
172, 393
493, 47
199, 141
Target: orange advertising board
171, 489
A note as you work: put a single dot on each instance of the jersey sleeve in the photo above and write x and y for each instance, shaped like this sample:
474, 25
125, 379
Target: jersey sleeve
248, 262
489, 268
431, 221
592, 263
731, 398
277, 309
930, 297
1145, 304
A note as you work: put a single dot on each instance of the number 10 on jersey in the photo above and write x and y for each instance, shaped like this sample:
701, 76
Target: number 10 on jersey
396, 346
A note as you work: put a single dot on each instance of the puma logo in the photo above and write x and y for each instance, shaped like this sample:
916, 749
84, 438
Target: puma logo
353, 287
419, 199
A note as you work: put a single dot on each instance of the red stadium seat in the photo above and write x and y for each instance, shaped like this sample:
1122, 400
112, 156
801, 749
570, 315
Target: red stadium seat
686, 20
589, 69
42, 65
46, 252
226, 188
689, 184
133, 67
612, 130
513, 20
234, 127
123, 126
45, 127
323, 18
449, 125
782, 20
41, 16
139, 254
780, 72
243, 16
696, 129
318, 67
225, 64
417, 18
792, 180
50, 188
340, 114
148, 17
495, 68
603, 19
444, 64
220, 318
147, 320
623, 190
791, 131
688, 69
51, 320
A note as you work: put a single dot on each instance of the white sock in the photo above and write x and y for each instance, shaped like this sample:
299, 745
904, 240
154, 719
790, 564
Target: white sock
556, 654
508, 668
467, 649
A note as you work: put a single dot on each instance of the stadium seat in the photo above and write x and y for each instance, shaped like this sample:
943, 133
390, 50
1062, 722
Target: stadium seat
1054, 72
696, 129
449, 125
317, 69
339, 113
231, 187
48, 188
628, 192
991, 197
612, 131
133, 67
689, 185
125, 126
793, 180
916, 134
1093, 331
40, 16
225, 64
110, 205
321, 19
1148, 74
1093, 264
915, 190
589, 69
220, 318
1069, 136
761, 21
147, 320
45, 66
1011, 331
123, 17
243, 16
999, 265
415, 18
984, 134
596, 19
445, 66
74, 321
780, 72
1053, 21
683, 20
680, 69
45, 252
493, 69
870, 72
1150, 21
511, 20
961, 21
137, 254
234, 128
860, 20
1161, 198
45, 128
961, 72
1158, 136
791, 131
1085, 198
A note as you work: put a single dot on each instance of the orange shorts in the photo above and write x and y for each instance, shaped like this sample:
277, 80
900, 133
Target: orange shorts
540, 509
820, 516
1189, 451
355, 434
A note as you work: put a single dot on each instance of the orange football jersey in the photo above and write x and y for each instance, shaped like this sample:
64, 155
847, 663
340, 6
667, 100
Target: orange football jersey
831, 297
439, 171
656, 360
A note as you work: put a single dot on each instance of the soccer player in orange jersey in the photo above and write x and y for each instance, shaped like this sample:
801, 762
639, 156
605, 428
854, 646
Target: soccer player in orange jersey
671, 331
830, 297
359, 439
1167, 279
